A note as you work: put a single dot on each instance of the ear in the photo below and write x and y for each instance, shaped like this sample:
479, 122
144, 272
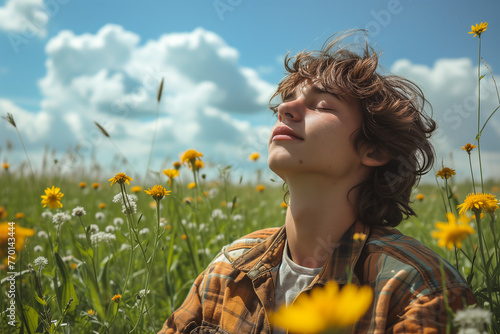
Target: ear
373, 156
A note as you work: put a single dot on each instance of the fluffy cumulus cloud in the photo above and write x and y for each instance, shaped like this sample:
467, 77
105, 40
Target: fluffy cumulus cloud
451, 87
27, 17
112, 79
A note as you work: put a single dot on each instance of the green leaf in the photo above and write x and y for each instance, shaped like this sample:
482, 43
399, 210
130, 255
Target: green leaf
31, 317
40, 300
482, 76
68, 290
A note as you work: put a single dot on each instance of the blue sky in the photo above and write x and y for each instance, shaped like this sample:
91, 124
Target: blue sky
67, 63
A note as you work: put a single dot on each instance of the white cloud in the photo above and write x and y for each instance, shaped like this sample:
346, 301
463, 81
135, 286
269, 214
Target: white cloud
28, 17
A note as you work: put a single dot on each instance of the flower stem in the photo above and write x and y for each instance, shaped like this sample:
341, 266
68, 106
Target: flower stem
479, 114
477, 213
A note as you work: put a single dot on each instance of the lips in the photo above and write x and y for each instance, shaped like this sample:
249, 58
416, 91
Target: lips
284, 133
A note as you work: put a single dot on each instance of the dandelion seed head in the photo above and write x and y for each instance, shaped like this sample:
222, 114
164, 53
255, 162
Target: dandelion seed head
79, 211
60, 218
109, 229
144, 231
38, 249
42, 234
40, 262
118, 221
93, 228
100, 216
99, 237
47, 215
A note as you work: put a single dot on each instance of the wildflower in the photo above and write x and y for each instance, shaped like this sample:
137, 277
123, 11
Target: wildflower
190, 156
152, 205
40, 262
478, 29
168, 227
102, 205
184, 237
157, 192
43, 234
144, 231
359, 236
237, 218
120, 178
52, 198
109, 229
171, 174
217, 213
38, 249
468, 147
187, 200
260, 188
96, 185
451, 233
495, 189
99, 237
136, 189
60, 218
47, 215
254, 156
99, 216
19, 215
74, 266
191, 185
117, 298
283, 205
177, 165
93, 228
420, 197
478, 202
446, 173
130, 206
118, 221
78, 211
5, 166
3, 212
472, 318
323, 308
91, 312
82, 185
198, 164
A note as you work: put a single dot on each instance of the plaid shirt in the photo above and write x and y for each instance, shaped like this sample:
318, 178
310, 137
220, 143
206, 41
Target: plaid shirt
234, 292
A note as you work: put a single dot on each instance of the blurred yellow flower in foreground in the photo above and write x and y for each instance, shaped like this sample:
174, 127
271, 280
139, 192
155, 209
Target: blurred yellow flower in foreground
157, 192
254, 156
7, 230
91, 312
5, 165
191, 185
446, 173
451, 234
82, 185
136, 189
359, 236
420, 197
260, 188
325, 307
478, 29
478, 202
171, 174
120, 178
190, 155
52, 198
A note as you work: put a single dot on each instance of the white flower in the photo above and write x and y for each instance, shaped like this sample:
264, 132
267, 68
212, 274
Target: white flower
60, 218
99, 216
79, 211
229, 205
93, 228
191, 225
38, 249
143, 293
98, 237
163, 221
472, 319
213, 192
237, 218
43, 234
81, 236
109, 229
118, 221
131, 202
124, 247
47, 215
144, 231
40, 262
217, 213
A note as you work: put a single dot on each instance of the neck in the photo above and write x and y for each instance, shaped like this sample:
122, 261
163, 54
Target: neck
319, 213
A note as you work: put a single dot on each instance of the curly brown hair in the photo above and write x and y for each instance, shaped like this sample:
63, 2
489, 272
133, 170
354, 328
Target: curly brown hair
394, 123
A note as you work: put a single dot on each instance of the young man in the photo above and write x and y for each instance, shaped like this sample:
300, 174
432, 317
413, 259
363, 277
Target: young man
350, 144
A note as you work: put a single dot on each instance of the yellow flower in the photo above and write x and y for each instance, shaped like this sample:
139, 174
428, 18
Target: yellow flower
420, 197
74, 266
171, 174
3, 212
102, 205
190, 155
96, 185
19, 215
177, 165
478, 29
120, 178
495, 189
446, 173
188, 200
91, 312
52, 198
254, 156
283, 205
260, 188
359, 236
468, 147
136, 189
451, 234
184, 237
21, 233
5, 166
191, 185
479, 201
198, 164
117, 298
158, 192
325, 307
82, 185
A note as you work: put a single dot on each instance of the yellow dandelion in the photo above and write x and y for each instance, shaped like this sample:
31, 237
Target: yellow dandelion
157, 192
478, 29
478, 202
117, 298
171, 174
451, 234
198, 164
420, 197
91, 312
177, 165
324, 308
283, 205
359, 236
191, 185
3, 212
190, 155
102, 205
120, 178
19, 215
254, 156
96, 185
5, 166
446, 173
468, 147
136, 189
260, 188
52, 198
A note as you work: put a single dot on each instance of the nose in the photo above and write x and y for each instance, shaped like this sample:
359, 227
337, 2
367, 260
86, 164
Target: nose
290, 110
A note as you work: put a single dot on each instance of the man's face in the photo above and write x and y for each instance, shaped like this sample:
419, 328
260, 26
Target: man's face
314, 134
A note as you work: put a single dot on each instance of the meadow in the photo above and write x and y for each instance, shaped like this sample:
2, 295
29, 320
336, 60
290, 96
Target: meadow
99, 251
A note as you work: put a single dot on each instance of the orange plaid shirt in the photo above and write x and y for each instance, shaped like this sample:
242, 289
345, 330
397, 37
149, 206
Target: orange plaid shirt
235, 291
